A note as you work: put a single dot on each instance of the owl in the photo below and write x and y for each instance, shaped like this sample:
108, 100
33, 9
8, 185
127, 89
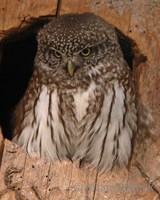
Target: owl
80, 103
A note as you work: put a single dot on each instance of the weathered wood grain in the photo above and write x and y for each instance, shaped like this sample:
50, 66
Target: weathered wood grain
31, 178
1, 144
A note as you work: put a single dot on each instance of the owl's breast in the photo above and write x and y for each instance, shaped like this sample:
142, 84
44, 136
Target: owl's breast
85, 101
79, 107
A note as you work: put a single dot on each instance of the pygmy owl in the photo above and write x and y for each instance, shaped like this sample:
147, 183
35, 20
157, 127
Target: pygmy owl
80, 102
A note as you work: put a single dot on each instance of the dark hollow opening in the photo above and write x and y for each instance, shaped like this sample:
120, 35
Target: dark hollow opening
18, 52
126, 45
15, 72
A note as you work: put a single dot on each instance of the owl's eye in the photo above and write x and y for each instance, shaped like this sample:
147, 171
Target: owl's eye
86, 52
57, 54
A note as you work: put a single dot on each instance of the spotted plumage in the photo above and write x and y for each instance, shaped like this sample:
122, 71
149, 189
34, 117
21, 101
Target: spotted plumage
80, 102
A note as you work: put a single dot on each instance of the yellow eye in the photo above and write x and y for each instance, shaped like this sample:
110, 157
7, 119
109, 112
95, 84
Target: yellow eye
57, 54
86, 52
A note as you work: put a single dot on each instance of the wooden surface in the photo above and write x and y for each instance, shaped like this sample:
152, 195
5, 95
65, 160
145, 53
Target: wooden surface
1, 144
25, 178
14, 13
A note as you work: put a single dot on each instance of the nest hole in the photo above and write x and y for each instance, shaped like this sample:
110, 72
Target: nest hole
17, 57
15, 72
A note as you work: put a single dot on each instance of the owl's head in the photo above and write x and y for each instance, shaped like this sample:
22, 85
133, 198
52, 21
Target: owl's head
75, 43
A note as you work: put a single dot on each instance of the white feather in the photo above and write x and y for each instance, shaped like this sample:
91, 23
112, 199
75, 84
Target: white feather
81, 99
108, 125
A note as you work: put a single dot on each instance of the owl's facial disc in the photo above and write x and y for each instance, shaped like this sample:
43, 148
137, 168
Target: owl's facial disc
71, 67
71, 62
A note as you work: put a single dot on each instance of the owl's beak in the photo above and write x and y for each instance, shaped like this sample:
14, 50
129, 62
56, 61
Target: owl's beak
71, 67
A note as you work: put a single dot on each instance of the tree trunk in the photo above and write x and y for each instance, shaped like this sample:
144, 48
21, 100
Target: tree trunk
22, 177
